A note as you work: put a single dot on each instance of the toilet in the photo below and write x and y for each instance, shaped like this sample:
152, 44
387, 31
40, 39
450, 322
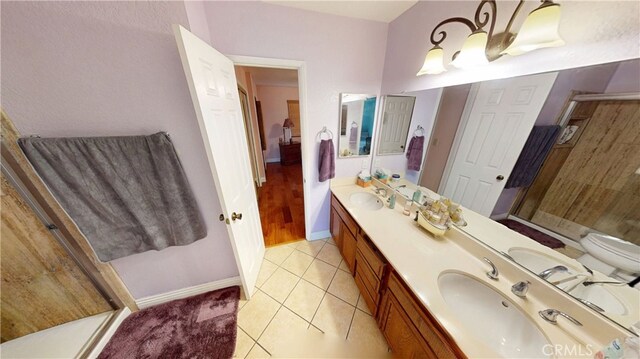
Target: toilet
611, 256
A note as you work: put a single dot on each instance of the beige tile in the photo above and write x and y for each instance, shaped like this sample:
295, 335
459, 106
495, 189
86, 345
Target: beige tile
311, 248
344, 287
362, 305
330, 254
266, 270
297, 263
257, 313
333, 316
242, 303
280, 284
278, 254
320, 273
330, 241
244, 343
343, 266
284, 326
304, 299
258, 352
364, 333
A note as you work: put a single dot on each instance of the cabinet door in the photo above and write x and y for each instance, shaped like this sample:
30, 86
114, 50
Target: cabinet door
336, 227
404, 340
349, 249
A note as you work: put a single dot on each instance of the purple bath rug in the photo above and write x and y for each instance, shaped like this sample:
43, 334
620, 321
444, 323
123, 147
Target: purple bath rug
534, 234
202, 326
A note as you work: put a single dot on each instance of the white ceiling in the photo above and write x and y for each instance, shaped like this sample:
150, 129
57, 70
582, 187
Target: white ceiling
273, 77
384, 11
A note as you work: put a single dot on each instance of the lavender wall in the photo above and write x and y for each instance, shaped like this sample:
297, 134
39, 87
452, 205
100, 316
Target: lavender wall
274, 110
341, 55
594, 31
626, 78
112, 68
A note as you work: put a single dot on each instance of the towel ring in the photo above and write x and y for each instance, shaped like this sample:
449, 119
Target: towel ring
419, 128
325, 131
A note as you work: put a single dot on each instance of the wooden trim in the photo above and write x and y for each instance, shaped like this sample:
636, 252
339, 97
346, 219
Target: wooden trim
102, 273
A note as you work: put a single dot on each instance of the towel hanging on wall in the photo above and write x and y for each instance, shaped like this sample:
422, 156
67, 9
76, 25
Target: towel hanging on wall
126, 194
414, 153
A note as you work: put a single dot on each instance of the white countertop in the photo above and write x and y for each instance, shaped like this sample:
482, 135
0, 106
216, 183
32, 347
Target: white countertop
420, 258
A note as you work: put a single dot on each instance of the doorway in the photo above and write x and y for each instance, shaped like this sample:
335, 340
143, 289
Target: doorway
273, 128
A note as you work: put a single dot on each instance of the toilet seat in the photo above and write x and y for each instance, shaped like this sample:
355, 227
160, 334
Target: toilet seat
613, 251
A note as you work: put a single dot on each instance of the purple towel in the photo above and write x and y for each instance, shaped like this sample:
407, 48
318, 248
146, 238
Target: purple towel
326, 162
414, 153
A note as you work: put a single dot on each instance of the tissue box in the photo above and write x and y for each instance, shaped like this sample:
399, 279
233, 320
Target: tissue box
363, 183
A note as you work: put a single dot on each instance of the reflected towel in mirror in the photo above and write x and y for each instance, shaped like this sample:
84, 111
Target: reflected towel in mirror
414, 153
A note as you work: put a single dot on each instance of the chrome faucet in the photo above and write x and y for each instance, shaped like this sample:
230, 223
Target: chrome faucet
551, 316
521, 288
493, 273
548, 272
380, 189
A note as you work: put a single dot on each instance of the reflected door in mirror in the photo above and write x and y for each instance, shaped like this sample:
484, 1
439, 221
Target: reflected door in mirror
495, 126
396, 119
357, 114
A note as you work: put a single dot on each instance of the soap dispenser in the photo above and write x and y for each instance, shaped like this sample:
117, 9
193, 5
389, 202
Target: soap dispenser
392, 200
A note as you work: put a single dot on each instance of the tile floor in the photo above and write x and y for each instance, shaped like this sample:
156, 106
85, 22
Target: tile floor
307, 304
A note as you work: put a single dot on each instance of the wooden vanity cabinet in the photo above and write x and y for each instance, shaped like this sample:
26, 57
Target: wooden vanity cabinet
370, 271
411, 330
344, 231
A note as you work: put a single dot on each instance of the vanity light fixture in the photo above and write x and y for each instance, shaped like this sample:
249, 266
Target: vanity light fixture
539, 30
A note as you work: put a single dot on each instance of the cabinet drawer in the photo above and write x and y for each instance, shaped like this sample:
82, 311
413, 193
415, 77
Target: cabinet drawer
371, 255
371, 281
372, 304
346, 217
438, 340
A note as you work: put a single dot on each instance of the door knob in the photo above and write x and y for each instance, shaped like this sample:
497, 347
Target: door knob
235, 216
500, 177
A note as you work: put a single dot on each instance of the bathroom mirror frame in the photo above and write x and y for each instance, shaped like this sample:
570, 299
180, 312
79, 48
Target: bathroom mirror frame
344, 136
498, 251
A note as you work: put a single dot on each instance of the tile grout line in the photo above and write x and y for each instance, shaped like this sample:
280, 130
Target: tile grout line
326, 291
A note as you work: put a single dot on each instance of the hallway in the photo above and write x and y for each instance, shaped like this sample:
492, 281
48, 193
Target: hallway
281, 204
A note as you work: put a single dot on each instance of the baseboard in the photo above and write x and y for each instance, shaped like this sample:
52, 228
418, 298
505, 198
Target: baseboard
186, 292
121, 315
263, 180
273, 160
497, 217
320, 235
567, 241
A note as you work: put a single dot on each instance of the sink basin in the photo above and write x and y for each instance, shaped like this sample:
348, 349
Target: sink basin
537, 262
491, 317
600, 296
366, 200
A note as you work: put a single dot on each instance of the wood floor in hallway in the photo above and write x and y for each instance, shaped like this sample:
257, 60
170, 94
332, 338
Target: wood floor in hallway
281, 204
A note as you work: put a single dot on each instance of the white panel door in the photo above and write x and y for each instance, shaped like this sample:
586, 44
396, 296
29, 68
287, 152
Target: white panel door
498, 122
395, 123
214, 91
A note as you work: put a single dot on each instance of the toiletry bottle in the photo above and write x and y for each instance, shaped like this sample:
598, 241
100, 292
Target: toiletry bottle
407, 208
416, 195
392, 201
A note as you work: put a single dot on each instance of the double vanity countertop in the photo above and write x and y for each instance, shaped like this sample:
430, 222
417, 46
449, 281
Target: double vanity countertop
421, 259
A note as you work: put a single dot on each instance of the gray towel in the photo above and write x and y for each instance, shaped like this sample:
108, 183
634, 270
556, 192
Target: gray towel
126, 194
414, 153
539, 143
326, 162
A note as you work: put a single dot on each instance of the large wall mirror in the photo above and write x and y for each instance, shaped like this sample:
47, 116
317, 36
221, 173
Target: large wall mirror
553, 156
357, 117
